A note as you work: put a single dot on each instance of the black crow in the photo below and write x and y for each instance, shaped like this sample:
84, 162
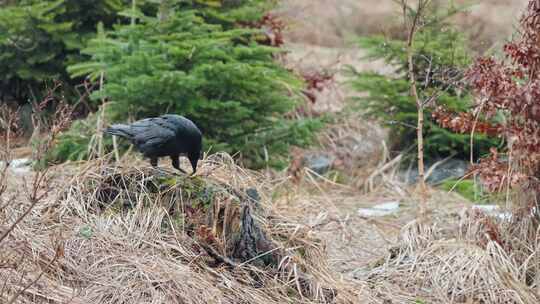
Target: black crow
167, 135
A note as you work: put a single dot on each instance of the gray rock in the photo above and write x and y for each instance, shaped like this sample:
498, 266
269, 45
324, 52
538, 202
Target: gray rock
254, 196
25, 118
453, 168
319, 163
409, 176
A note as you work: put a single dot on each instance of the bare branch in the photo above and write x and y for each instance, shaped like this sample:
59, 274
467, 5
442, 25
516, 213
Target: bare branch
34, 281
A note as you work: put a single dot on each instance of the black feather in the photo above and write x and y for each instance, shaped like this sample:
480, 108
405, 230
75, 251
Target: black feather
167, 135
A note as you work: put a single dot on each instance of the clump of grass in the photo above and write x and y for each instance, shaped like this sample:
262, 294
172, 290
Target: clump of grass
132, 235
481, 259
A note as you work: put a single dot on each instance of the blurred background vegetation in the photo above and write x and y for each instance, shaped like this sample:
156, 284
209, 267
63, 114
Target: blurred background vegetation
208, 60
441, 55
213, 61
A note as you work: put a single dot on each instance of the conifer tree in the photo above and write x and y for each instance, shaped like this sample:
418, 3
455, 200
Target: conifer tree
439, 57
38, 39
205, 69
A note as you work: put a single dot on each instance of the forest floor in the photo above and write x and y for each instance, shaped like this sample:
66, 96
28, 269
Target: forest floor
353, 240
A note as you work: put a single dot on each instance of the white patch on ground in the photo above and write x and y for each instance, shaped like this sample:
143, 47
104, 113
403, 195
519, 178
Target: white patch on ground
494, 210
19, 166
379, 210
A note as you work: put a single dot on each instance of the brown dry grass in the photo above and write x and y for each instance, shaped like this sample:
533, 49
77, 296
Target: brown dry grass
477, 259
329, 204
82, 253
130, 256
454, 254
332, 23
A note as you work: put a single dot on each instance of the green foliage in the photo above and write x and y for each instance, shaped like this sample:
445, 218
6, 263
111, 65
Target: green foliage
467, 188
38, 39
218, 77
86, 232
231, 12
439, 56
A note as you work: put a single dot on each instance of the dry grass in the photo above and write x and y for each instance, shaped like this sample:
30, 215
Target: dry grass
143, 248
329, 205
455, 254
335, 22
139, 249
474, 260
355, 148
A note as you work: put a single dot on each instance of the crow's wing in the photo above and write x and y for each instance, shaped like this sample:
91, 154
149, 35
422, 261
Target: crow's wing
151, 135
181, 125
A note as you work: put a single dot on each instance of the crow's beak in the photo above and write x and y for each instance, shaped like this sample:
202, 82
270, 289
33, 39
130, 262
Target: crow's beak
194, 166
194, 159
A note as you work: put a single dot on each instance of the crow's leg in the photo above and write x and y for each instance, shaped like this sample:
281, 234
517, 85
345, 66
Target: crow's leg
176, 163
154, 162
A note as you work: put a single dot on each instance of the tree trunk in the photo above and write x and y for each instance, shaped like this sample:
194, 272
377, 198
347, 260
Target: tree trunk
412, 29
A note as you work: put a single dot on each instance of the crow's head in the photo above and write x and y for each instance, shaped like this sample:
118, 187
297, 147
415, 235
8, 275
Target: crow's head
195, 152
193, 138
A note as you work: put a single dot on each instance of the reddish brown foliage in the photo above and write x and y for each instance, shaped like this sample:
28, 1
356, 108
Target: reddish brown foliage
496, 173
272, 28
316, 81
510, 87
492, 232
296, 165
9, 127
205, 234
465, 122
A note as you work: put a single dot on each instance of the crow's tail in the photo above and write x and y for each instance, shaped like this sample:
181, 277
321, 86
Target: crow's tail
119, 130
